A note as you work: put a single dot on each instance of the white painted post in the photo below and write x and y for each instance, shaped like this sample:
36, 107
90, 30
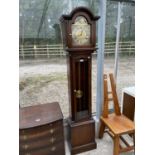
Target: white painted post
22, 51
100, 60
130, 48
34, 47
117, 40
47, 51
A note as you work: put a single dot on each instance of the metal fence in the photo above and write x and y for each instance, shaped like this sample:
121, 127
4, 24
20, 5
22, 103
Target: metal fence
48, 51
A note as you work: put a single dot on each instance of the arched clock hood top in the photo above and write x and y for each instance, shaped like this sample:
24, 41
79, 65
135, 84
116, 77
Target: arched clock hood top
82, 9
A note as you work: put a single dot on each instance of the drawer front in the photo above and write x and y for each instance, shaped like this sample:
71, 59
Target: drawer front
41, 143
54, 125
39, 132
57, 149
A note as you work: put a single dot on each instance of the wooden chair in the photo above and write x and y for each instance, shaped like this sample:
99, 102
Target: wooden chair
116, 123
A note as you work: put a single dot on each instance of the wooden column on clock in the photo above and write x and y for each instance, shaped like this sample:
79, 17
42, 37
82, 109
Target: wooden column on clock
79, 36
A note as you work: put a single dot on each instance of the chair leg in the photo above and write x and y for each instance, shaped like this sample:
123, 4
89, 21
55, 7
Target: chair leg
101, 131
134, 140
116, 145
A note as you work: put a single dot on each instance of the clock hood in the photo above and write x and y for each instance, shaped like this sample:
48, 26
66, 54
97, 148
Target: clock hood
81, 9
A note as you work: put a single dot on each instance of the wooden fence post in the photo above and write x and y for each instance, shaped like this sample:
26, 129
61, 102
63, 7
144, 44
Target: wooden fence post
47, 51
34, 47
22, 52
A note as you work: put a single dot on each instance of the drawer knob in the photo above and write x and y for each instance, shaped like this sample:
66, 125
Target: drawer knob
53, 148
52, 140
25, 147
24, 137
52, 131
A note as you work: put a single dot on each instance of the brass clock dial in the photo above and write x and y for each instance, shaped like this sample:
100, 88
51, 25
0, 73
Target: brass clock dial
80, 32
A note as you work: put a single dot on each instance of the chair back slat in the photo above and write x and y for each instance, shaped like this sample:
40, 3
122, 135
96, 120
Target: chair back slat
105, 105
114, 95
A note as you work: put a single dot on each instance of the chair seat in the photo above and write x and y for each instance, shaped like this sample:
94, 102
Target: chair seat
119, 124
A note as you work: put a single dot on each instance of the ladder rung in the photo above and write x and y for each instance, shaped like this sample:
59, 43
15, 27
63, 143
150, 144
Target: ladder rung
110, 99
110, 133
127, 149
124, 141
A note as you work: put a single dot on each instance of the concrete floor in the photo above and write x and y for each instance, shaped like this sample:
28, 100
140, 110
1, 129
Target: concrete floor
104, 147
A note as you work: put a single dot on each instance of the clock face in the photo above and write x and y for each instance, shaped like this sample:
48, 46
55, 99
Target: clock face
80, 32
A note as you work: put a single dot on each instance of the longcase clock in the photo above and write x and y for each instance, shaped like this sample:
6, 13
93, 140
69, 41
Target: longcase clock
79, 36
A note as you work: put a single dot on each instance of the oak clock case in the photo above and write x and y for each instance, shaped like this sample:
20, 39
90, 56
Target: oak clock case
79, 36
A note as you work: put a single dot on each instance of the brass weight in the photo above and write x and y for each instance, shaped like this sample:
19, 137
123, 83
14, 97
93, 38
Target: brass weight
78, 93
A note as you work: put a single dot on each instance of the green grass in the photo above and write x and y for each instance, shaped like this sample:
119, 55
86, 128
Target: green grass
40, 81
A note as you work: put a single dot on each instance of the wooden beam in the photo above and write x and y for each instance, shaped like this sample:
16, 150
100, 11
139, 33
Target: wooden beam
124, 141
126, 149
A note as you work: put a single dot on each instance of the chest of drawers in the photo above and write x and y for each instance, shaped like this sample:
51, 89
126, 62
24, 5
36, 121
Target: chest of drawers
41, 130
128, 102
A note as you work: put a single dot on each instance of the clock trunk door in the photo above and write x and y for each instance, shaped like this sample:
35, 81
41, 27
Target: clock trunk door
81, 87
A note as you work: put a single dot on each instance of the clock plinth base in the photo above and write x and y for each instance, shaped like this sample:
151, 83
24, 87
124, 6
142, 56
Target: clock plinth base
82, 136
